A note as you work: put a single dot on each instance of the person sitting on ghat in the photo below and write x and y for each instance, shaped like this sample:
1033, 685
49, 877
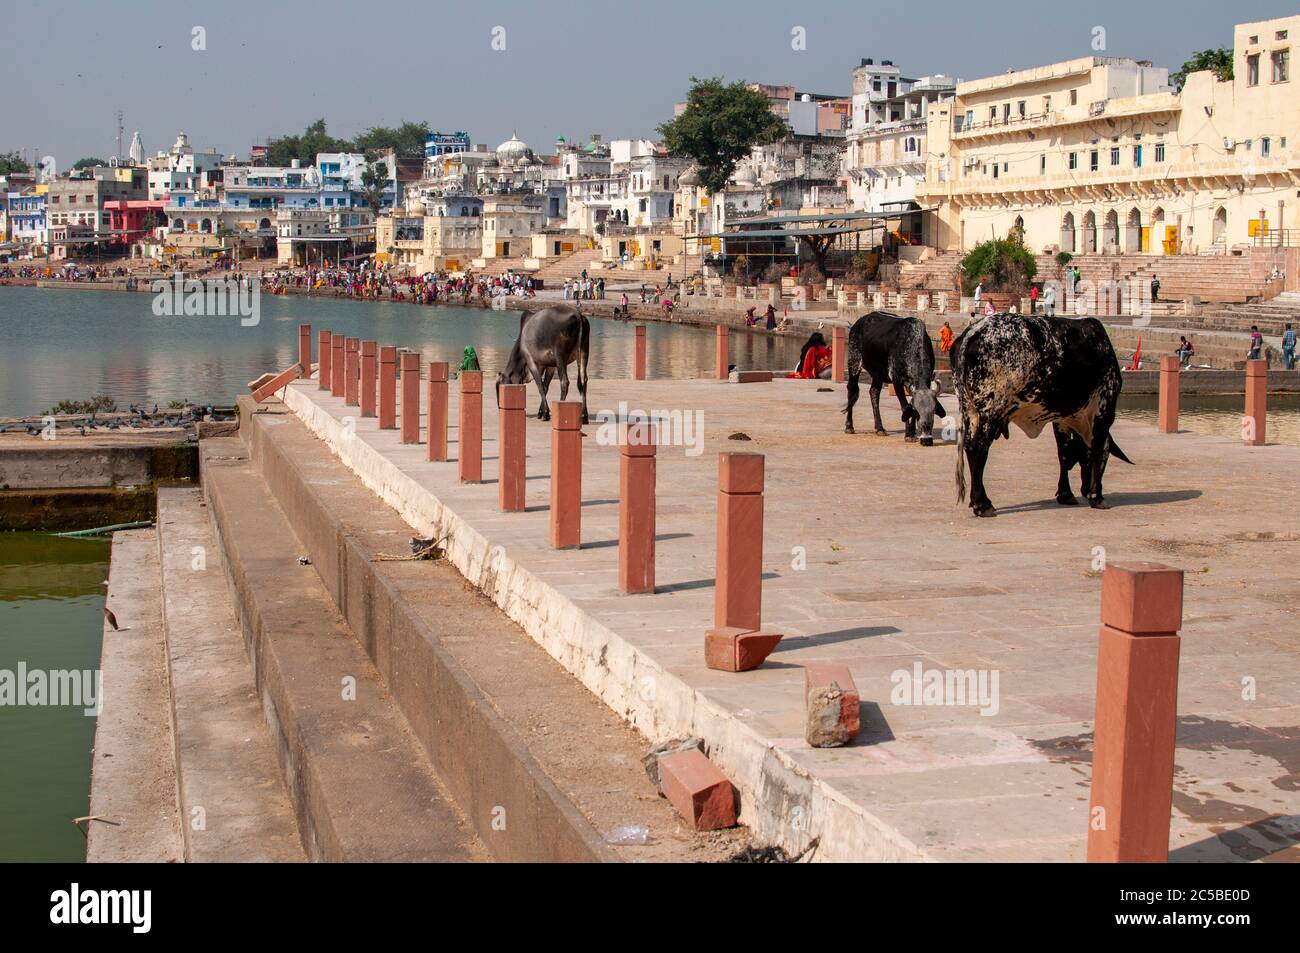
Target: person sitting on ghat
750, 318
1185, 351
815, 342
470, 361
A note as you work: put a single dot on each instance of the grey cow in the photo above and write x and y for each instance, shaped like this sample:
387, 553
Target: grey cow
549, 341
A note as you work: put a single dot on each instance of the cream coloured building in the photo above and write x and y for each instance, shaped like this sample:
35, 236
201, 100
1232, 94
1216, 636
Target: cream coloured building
1101, 155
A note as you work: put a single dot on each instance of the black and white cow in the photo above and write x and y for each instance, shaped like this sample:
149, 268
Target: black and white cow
1032, 370
895, 349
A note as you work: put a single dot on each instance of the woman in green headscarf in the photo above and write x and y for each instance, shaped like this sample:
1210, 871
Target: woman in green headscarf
470, 361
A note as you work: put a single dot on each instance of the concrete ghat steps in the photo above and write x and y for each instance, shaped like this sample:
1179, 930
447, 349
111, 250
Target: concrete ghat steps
233, 803
133, 780
361, 786
516, 737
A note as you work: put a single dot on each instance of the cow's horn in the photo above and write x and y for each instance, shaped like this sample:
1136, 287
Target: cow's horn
934, 386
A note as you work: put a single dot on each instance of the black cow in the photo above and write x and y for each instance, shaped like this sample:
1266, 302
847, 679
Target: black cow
1031, 370
549, 341
895, 349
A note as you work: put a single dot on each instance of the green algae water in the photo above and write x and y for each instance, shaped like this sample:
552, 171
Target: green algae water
51, 619
68, 344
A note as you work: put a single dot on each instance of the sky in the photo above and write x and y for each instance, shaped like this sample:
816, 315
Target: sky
492, 68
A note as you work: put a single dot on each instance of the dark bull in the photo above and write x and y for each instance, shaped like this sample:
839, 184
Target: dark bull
1032, 370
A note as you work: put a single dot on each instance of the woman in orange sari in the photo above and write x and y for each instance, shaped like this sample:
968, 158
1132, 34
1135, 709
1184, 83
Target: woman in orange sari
945, 337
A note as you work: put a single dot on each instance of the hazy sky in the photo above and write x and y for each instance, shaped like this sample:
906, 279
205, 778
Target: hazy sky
568, 68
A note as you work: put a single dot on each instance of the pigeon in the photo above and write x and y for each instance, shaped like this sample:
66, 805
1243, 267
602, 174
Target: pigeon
112, 620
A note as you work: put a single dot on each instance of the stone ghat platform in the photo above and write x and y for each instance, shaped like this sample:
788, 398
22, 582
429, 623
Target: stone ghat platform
870, 562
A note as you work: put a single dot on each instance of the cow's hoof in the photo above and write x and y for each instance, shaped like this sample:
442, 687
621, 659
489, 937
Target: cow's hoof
927, 441
1099, 504
986, 510
849, 430
1067, 499
882, 432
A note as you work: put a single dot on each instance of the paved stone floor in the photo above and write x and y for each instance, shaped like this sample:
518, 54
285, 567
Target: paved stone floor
870, 561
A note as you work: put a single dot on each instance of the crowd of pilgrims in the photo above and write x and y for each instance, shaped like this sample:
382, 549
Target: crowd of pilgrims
380, 283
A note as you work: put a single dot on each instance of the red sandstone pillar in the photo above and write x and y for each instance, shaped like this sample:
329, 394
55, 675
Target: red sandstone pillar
636, 508
470, 437
566, 474
1137, 707
721, 357
369, 373
511, 448
337, 377
839, 352
325, 353
388, 388
1254, 423
304, 350
437, 410
735, 643
638, 354
352, 372
1170, 383
410, 403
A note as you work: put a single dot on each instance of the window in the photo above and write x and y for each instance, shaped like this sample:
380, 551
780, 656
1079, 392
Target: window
1042, 164
995, 170
1137, 157
1281, 66
1114, 156
1074, 97
1094, 161
1280, 35
1252, 70
1006, 112
1074, 160
1020, 108
993, 114
1160, 152
970, 118
1047, 104
1265, 146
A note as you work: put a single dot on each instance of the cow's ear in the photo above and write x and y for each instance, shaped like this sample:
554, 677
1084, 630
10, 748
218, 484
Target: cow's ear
939, 411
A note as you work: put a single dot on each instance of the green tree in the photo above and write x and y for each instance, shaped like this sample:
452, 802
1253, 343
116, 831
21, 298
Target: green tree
1219, 61
407, 140
315, 138
1002, 264
374, 177
722, 122
88, 162
11, 162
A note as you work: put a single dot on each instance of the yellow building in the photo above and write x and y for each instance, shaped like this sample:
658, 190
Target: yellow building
1101, 155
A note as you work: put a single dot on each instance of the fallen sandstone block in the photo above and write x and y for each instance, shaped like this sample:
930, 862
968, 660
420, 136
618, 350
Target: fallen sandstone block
832, 705
698, 790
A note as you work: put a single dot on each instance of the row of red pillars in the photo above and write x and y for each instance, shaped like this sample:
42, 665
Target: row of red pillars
1141, 605
1253, 422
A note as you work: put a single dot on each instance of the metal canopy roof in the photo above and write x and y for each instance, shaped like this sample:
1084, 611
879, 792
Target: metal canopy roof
833, 217
792, 232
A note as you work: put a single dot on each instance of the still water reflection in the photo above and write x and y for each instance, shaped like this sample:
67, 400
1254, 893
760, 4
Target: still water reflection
73, 344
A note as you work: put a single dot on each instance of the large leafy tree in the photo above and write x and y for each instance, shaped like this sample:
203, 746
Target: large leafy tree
11, 162
406, 140
88, 163
1220, 61
315, 138
721, 123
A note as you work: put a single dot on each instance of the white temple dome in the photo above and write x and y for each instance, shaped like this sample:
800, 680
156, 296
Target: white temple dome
512, 150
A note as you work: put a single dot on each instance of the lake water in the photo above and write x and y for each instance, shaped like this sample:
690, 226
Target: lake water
1220, 414
73, 344
51, 619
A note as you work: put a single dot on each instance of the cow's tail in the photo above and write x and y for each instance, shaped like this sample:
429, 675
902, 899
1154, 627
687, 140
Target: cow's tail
1116, 451
961, 464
